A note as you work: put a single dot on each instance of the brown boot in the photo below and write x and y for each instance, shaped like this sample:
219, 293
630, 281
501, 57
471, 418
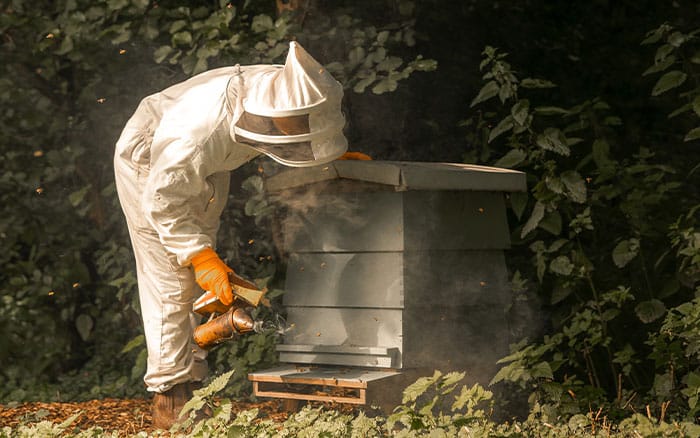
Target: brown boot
167, 405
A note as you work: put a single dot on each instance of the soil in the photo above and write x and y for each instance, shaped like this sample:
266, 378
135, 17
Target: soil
127, 417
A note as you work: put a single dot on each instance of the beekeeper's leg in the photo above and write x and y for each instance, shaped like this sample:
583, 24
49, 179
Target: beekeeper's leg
166, 292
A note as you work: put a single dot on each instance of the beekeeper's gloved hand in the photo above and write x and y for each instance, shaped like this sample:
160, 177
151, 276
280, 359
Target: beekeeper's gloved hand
212, 273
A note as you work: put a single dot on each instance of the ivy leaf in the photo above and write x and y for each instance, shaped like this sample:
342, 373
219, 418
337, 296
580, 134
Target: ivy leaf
534, 220
488, 91
625, 252
649, 311
669, 81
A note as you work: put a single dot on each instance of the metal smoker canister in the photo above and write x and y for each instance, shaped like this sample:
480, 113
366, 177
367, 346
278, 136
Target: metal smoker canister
234, 322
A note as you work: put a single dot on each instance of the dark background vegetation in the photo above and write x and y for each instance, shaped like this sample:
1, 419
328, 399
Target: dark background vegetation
605, 243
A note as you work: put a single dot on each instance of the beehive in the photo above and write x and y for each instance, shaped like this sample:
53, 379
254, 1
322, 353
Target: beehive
395, 265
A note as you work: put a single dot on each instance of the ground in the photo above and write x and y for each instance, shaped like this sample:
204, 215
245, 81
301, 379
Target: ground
126, 416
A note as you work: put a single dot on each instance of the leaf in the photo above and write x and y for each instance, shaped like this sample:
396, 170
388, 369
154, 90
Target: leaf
504, 125
182, 38
553, 140
356, 56
601, 153
696, 105
518, 202
419, 387
362, 84
625, 252
680, 110
575, 185
511, 159
551, 111
262, 23
693, 134
84, 324
217, 384
536, 83
488, 91
561, 265
177, 26
385, 85
520, 111
551, 223
560, 293
161, 53
543, 370
669, 81
136, 342
660, 66
534, 220
649, 311
77, 197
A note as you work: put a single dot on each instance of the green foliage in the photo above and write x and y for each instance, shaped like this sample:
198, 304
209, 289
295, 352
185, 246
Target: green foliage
72, 73
414, 418
599, 218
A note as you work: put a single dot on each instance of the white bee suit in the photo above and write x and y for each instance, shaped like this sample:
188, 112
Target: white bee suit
172, 164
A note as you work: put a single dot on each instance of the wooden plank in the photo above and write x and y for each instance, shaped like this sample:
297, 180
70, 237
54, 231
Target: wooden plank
351, 377
345, 280
360, 400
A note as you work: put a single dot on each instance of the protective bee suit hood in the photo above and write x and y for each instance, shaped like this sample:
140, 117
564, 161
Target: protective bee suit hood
290, 113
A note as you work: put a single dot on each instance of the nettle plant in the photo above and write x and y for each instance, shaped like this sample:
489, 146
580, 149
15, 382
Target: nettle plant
599, 234
676, 345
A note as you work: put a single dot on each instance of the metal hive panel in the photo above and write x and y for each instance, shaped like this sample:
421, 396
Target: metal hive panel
345, 280
347, 327
345, 222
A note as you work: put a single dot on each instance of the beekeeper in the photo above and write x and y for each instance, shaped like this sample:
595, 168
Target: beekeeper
172, 164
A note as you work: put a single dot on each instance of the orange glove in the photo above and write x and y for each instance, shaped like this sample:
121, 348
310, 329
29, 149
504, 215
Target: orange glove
355, 156
211, 273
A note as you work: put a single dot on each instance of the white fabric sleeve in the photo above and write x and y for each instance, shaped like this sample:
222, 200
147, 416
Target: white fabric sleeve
176, 198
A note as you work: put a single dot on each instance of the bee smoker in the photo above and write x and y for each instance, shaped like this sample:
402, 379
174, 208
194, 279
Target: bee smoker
227, 322
235, 322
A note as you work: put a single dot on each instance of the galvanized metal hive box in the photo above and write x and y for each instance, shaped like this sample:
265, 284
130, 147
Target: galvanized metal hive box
395, 265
